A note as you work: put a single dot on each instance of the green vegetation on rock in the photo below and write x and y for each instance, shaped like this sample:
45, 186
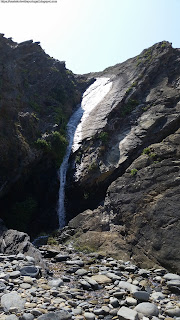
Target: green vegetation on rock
93, 166
103, 136
55, 144
129, 107
134, 172
146, 150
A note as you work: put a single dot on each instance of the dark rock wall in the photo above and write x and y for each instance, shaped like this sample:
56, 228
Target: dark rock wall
37, 96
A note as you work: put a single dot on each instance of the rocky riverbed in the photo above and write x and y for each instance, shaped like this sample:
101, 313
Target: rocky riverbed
84, 286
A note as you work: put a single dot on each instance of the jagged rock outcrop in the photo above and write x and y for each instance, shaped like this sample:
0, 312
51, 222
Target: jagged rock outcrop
37, 96
130, 163
13, 242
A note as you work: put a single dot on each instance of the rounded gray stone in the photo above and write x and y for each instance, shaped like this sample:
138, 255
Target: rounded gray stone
27, 316
14, 274
12, 317
11, 300
171, 276
89, 316
157, 296
173, 312
81, 272
25, 285
55, 283
147, 309
30, 271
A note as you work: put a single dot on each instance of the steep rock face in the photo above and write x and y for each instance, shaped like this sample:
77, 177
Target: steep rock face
128, 167
37, 96
141, 108
140, 218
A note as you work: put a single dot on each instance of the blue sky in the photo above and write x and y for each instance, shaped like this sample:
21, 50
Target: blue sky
91, 35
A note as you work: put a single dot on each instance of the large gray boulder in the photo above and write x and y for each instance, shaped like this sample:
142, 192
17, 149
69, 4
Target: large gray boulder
15, 242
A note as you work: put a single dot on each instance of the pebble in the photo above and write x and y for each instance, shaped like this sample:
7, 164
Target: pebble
99, 288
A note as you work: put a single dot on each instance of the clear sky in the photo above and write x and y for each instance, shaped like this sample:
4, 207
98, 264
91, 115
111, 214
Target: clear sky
91, 35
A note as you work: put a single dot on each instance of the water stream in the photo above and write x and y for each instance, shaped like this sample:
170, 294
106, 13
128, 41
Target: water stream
92, 96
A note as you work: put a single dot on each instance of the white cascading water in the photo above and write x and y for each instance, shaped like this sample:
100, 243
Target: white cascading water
92, 96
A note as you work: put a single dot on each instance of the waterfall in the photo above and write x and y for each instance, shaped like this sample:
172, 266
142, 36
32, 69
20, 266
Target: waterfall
92, 96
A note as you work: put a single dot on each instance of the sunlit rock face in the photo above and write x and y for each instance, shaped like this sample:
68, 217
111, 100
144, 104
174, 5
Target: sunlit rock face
129, 161
92, 96
90, 106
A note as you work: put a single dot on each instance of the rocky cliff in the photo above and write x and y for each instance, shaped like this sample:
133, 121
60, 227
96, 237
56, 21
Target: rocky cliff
127, 168
37, 96
123, 183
